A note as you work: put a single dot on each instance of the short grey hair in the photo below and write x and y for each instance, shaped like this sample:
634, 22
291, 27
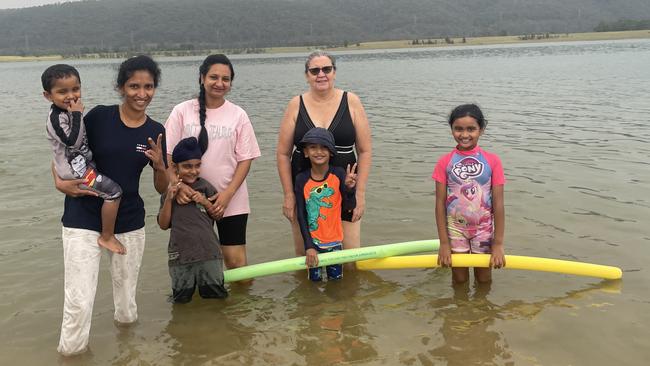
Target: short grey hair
319, 53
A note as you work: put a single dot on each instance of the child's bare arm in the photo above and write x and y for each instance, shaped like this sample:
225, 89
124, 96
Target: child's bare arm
444, 252
165, 214
498, 259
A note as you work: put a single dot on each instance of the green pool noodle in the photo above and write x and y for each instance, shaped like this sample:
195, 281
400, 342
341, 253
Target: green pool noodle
325, 259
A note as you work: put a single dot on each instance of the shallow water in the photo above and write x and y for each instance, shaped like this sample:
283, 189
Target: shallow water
569, 122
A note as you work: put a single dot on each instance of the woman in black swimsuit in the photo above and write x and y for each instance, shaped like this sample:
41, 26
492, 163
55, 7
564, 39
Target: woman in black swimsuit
342, 113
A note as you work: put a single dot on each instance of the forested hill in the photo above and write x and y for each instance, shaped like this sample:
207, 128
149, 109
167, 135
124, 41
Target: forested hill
141, 25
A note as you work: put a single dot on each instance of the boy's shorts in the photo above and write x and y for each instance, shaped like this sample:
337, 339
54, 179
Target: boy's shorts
97, 182
463, 240
232, 229
334, 271
206, 275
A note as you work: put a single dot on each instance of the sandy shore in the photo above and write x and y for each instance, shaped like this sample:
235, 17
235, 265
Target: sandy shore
430, 42
473, 41
30, 58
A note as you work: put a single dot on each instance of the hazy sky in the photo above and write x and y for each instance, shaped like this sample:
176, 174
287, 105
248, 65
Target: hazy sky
8, 4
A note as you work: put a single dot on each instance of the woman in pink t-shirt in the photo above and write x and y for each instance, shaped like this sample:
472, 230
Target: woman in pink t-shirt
229, 146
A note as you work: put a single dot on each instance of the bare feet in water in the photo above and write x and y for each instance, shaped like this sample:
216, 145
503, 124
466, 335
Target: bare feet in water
111, 243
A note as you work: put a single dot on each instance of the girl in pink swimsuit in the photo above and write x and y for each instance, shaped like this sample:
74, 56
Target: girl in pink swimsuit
469, 197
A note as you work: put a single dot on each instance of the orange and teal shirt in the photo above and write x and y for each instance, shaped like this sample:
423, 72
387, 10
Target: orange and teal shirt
320, 204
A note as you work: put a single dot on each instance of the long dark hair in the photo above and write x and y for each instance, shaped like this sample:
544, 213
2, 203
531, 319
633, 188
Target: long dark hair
203, 71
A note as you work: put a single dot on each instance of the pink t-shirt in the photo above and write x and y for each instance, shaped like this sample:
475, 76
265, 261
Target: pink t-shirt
231, 139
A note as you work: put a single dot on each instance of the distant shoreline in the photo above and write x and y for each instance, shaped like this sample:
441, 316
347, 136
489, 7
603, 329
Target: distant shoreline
422, 43
476, 41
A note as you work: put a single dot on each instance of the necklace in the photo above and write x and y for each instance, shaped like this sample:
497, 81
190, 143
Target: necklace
131, 122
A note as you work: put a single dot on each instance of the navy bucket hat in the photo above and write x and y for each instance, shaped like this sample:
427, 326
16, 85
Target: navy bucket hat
186, 149
321, 136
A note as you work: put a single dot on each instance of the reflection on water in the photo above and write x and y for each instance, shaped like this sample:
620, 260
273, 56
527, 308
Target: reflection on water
332, 328
466, 321
468, 318
201, 330
568, 120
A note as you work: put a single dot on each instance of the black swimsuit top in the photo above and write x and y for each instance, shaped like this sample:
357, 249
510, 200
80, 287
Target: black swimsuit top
341, 127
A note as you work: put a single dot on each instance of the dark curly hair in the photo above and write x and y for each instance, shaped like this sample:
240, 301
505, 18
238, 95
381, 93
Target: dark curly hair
138, 63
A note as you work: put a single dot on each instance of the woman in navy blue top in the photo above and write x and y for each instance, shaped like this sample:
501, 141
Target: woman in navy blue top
124, 140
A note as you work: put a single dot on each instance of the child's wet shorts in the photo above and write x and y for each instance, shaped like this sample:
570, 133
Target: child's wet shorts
464, 240
206, 275
334, 271
232, 229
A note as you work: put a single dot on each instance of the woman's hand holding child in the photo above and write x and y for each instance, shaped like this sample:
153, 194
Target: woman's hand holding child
200, 198
221, 201
184, 195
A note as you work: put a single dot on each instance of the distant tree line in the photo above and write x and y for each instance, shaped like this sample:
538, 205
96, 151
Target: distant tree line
529, 37
446, 40
187, 26
623, 25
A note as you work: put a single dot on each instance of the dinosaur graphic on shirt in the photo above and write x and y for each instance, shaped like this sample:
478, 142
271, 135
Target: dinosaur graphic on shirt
316, 200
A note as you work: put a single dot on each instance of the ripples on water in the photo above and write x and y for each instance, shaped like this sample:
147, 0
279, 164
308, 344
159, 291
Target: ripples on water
568, 120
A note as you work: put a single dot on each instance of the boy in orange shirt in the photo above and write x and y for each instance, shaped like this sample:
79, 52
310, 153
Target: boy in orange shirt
323, 192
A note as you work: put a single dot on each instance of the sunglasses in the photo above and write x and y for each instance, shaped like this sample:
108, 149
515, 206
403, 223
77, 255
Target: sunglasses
326, 69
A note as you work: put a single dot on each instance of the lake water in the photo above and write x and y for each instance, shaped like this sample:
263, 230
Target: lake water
570, 122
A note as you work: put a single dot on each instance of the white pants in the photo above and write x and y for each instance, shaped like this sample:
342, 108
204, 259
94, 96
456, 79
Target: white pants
81, 257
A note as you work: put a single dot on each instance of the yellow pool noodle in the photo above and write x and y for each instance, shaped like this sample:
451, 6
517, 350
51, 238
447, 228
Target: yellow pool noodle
483, 260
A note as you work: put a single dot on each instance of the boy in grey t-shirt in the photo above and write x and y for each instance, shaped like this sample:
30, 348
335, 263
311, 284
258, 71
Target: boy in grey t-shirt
195, 258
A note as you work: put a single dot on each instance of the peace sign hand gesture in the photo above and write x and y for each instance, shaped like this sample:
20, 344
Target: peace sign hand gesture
155, 153
351, 176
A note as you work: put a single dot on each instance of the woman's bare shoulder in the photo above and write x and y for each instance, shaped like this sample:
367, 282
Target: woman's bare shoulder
294, 102
354, 100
